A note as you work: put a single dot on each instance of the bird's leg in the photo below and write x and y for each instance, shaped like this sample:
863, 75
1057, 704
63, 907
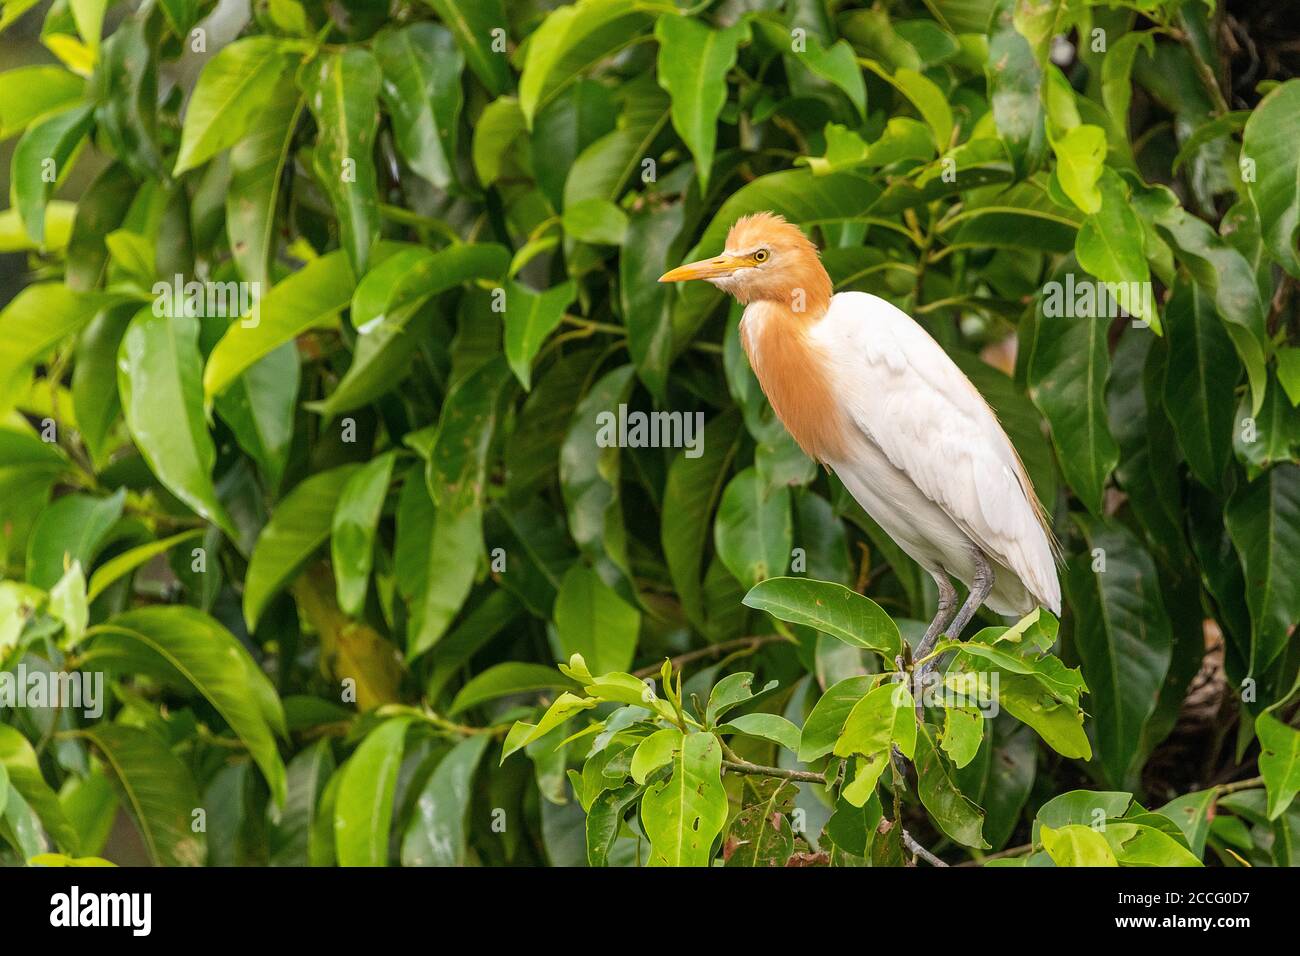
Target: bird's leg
947, 604
980, 587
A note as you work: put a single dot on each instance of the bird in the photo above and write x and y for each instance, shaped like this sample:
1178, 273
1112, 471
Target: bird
866, 391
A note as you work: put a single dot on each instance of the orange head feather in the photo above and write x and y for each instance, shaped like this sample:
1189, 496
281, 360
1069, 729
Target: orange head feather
772, 267
766, 259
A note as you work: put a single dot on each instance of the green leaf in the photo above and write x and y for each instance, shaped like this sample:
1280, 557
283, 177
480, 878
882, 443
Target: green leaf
309, 298
760, 834
1063, 683
94, 376
694, 485
1080, 154
1123, 637
421, 88
458, 460
683, 814
595, 220
1109, 246
1200, 382
589, 474
605, 820
501, 124
73, 528
35, 320
234, 87
342, 90
1263, 521
529, 318
654, 752
383, 308
566, 706
963, 732
1039, 22
1059, 724
123, 564
881, 720
954, 814
571, 39
838, 65
1076, 845
352, 533
290, 834
30, 92
68, 602
1139, 845
832, 609
1270, 439
189, 648
363, 808
436, 833
1014, 78
474, 23
694, 60
771, 727
259, 408
159, 379
1269, 143
1279, 762
1288, 372
753, 529
929, 100
605, 168
730, 692
1067, 381
1223, 272
19, 763
507, 679
454, 548
257, 164
822, 727
156, 787
592, 620
297, 529
42, 158
1116, 78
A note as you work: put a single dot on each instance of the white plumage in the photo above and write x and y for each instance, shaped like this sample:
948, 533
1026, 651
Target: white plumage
931, 463
865, 389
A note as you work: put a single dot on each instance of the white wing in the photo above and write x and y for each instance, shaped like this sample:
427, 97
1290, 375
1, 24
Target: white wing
912, 401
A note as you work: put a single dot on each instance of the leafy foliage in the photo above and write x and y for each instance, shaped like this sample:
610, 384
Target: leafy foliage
316, 437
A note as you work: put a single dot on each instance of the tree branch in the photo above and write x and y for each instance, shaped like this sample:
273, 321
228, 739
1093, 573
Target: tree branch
921, 851
749, 644
745, 768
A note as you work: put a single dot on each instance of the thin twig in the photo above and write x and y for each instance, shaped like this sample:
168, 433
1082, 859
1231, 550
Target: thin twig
745, 768
751, 644
1250, 784
922, 852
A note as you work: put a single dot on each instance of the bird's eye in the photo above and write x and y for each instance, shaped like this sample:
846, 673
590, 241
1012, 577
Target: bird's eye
761, 255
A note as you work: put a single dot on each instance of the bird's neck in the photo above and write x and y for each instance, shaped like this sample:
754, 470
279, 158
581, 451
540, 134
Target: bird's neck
795, 374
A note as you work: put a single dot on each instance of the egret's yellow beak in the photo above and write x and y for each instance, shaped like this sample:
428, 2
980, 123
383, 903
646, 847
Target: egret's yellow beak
713, 268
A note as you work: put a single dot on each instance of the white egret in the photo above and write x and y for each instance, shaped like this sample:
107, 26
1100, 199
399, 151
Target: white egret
865, 390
